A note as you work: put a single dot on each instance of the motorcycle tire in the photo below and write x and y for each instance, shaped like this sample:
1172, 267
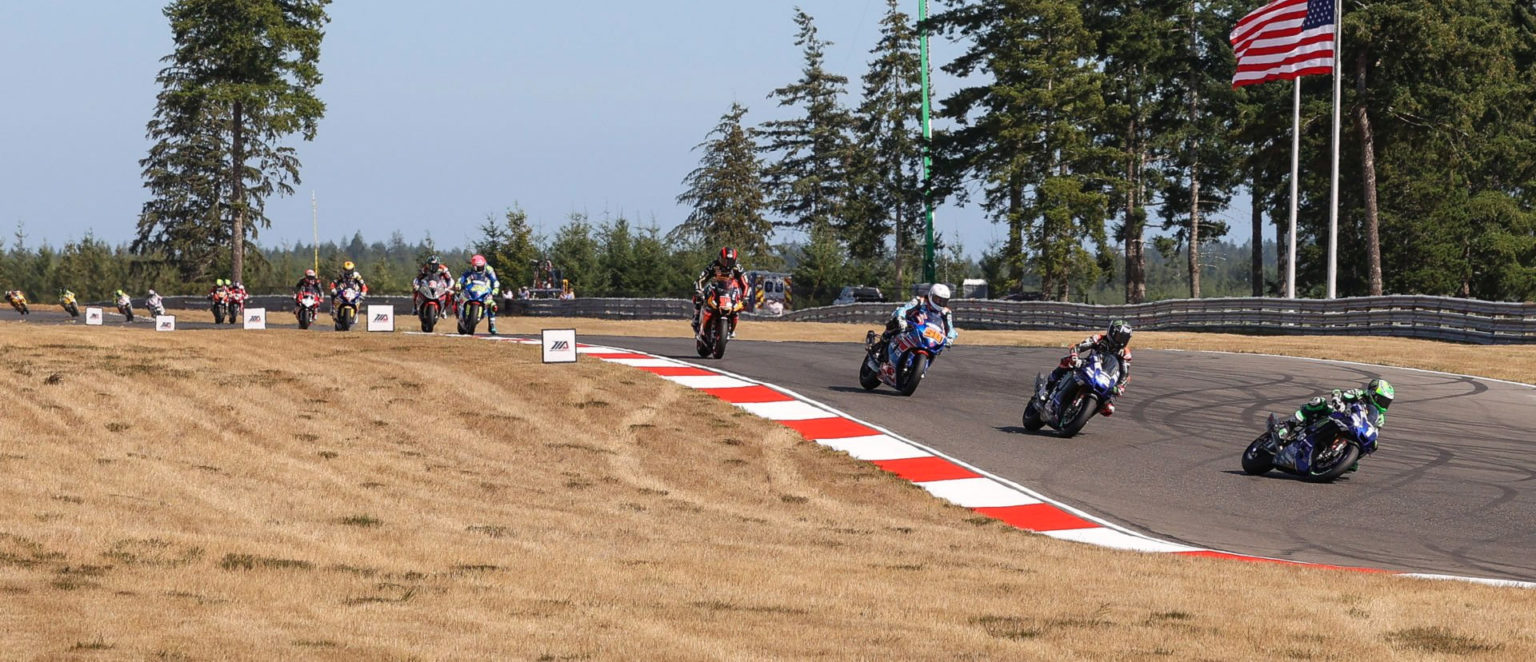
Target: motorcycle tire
305, 318
344, 319
913, 374
129, 314
218, 313
868, 378
1257, 460
74, 311
722, 334
471, 321
428, 318
1032, 420
1089, 406
1348, 459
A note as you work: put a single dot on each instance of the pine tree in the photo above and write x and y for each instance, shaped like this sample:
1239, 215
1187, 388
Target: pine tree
576, 254
888, 125
241, 78
509, 247
726, 191
1025, 133
806, 177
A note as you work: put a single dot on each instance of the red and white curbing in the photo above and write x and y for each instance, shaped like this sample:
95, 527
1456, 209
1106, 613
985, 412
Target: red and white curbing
942, 476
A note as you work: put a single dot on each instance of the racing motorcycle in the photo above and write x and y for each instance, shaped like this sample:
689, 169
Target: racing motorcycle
1318, 453
472, 302
345, 312
306, 306
1076, 396
18, 300
125, 306
235, 303
220, 305
722, 301
901, 362
156, 305
68, 303
434, 292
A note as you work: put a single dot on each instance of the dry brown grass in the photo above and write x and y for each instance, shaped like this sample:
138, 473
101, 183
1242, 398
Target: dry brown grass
281, 495
1511, 362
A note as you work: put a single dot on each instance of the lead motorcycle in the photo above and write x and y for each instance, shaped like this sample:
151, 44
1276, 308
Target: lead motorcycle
901, 362
473, 300
344, 311
125, 306
1318, 453
1076, 396
722, 302
220, 304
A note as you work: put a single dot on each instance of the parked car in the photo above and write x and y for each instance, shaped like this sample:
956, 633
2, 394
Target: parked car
859, 294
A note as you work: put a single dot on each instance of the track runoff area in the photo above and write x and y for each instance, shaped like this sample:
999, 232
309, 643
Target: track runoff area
1153, 478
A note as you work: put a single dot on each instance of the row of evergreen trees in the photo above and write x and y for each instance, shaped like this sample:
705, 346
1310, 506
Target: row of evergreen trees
609, 258
1084, 125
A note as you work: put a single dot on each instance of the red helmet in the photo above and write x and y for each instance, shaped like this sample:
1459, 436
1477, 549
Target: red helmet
727, 259
478, 261
309, 273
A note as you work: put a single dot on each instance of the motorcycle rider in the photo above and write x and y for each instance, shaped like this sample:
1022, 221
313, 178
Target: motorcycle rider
725, 267
1378, 393
349, 276
480, 271
154, 303
238, 295
434, 269
16, 299
1115, 342
933, 304
309, 283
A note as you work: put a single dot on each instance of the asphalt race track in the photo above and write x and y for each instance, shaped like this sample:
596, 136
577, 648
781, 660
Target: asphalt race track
1451, 490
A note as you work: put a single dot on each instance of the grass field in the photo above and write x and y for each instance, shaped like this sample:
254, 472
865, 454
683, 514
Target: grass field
281, 495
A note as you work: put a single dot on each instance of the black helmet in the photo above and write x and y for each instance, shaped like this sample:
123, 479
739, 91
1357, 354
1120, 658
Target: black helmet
727, 259
1119, 334
433, 262
1380, 394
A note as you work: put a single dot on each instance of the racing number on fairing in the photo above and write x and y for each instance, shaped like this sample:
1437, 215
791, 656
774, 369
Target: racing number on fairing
933, 334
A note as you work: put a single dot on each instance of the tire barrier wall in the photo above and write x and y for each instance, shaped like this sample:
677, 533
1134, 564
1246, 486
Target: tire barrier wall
1410, 316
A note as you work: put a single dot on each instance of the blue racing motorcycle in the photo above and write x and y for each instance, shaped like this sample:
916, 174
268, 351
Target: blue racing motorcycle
1076, 396
477, 295
902, 362
1318, 453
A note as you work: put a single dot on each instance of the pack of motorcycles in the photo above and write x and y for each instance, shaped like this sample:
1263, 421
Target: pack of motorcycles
1318, 452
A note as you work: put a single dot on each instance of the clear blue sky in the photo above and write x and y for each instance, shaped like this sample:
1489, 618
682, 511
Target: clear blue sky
438, 113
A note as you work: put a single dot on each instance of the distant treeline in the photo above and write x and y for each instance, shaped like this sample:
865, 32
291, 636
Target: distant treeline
611, 258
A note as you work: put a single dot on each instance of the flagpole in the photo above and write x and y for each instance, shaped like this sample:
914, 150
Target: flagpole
314, 207
1290, 255
1333, 194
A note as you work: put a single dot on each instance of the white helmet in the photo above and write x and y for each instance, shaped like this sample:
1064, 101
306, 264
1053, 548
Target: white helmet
938, 295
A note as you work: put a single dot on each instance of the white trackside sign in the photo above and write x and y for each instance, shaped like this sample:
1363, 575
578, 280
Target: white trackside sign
381, 318
559, 345
165, 323
93, 316
256, 318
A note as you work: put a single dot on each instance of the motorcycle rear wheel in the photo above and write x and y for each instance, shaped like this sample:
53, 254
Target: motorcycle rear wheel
1257, 460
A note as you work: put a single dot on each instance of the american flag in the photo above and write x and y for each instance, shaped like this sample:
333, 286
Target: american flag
1282, 40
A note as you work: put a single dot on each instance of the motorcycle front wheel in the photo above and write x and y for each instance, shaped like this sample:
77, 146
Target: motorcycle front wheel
1032, 420
305, 318
1257, 460
1085, 410
914, 374
1329, 472
722, 334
